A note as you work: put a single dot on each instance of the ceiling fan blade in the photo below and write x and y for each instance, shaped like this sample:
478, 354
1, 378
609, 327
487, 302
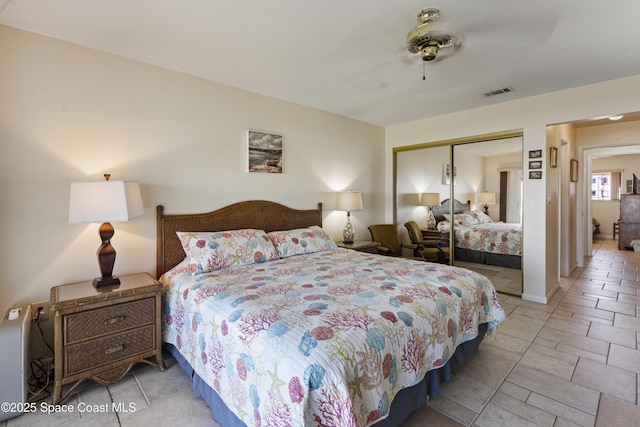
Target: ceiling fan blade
528, 28
406, 56
453, 48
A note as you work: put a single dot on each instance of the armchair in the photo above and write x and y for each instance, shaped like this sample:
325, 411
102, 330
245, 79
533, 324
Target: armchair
435, 250
387, 236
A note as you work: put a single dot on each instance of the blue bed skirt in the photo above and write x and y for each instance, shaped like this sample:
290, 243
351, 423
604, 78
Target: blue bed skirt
501, 260
405, 402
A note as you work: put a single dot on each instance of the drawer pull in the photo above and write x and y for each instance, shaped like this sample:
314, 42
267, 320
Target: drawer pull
114, 319
114, 349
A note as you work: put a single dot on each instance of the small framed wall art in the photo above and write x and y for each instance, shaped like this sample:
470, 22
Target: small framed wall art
446, 174
574, 170
535, 164
535, 154
553, 157
535, 174
264, 152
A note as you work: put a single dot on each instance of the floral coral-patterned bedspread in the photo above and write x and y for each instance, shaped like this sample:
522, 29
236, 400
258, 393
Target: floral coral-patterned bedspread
323, 339
495, 237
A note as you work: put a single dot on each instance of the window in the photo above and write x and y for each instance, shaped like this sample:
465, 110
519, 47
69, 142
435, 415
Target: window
605, 186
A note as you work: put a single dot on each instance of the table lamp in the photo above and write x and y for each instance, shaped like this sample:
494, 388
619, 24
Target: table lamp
487, 199
105, 201
348, 201
430, 200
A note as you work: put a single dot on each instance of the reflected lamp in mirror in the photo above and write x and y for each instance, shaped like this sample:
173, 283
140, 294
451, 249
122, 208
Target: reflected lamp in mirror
486, 199
430, 200
105, 202
348, 201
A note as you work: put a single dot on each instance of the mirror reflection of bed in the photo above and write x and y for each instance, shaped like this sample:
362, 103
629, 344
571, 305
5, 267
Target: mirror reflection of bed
491, 248
479, 166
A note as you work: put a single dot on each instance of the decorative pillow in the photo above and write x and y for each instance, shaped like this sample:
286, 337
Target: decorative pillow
301, 241
482, 217
443, 226
462, 219
209, 251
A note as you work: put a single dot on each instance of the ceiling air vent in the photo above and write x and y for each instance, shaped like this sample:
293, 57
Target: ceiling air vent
495, 92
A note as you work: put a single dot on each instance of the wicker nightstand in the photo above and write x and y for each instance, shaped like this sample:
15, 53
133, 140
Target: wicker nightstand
435, 234
360, 245
101, 334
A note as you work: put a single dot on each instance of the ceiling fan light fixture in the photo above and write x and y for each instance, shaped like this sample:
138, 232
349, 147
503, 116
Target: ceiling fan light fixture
429, 53
430, 39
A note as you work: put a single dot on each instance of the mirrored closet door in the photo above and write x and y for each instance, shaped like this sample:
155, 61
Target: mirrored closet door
423, 181
489, 233
474, 189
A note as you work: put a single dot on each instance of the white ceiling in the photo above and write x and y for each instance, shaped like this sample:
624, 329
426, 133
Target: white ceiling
342, 56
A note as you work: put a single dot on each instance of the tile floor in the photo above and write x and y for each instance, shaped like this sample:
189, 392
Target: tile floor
506, 280
573, 362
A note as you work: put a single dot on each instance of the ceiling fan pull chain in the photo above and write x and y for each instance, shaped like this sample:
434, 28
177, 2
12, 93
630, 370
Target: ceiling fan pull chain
423, 71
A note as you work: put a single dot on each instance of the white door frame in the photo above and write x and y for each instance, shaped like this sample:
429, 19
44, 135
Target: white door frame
564, 236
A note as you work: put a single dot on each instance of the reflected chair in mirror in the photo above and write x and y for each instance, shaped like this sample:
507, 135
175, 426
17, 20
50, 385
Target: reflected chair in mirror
390, 244
434, 250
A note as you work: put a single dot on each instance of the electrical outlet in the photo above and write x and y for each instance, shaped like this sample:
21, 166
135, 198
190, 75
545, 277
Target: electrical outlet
40, 309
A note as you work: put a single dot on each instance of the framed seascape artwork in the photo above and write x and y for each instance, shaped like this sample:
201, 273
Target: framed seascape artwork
535, 154
264, 152
536, 164
535, 174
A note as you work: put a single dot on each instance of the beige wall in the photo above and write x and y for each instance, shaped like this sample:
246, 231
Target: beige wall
532, 115
561, 230
69, 113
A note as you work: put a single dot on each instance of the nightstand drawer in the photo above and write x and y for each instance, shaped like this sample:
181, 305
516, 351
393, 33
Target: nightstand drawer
108, 320
93, 354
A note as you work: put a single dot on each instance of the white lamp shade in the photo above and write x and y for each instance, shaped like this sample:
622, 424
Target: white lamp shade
487, 198
429, 199
104, 201
349, 201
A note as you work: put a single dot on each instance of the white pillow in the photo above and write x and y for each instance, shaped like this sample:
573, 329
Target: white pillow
482, 217
462, 219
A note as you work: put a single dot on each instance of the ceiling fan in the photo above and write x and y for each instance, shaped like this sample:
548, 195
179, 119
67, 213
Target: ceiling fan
483, 33
429, 40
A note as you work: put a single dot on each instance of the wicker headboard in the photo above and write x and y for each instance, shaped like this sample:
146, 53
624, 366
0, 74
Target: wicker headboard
445, 208
258, 214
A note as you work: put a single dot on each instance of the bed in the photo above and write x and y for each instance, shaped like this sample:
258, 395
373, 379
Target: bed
317, 335
478, 239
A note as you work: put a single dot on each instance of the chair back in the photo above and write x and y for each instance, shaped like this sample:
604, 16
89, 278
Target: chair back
387, 236
415, 235
431, 249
